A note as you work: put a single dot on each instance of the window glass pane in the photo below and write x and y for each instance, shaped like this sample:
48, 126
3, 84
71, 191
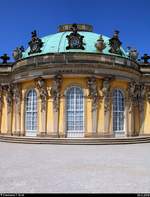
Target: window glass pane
118, 111
74, 110
31, 112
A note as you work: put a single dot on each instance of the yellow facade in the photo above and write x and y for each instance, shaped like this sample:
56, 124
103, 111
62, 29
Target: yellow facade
66, 84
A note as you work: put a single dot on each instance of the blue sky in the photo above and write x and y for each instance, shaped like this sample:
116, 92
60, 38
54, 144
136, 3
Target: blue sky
19, 17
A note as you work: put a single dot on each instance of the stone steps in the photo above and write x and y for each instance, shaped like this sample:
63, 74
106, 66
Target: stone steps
98, 141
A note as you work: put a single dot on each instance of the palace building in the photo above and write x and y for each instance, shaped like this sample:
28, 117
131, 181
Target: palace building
75, 84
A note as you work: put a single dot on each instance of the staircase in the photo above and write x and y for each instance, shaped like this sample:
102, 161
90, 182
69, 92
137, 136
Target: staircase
61, 141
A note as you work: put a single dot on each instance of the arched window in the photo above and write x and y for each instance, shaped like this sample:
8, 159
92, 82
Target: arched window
31, 113
118, 111
75, 112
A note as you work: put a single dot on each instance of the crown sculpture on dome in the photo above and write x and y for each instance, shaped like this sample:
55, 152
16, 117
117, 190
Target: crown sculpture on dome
115, 44
100, 45
75, 40
35, 43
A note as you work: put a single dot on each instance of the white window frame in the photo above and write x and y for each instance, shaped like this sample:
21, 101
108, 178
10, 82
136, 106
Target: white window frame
31, 111
118, 130
73, 133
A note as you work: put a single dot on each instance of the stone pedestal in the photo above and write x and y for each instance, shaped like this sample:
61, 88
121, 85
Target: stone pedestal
106, 121
94, 121
131, 121
22, 114
62, 132
43, 123
142, 117
107, 114
0, 117
9, 119
56, 122
17, 130
55, 132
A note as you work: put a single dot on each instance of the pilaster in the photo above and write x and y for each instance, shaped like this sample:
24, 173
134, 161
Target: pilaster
41, 86
1, 105
95, 97
131, 120
107, 105
22, 111
88, 117
55, 93
142, 101
62, 117
43, 131
17, 108
9, 100
9, 119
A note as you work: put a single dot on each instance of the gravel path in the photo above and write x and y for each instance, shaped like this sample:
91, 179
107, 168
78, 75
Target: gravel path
34, 168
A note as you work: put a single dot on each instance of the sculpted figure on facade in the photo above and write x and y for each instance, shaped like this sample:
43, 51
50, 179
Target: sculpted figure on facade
106, 93
148, 93
142, 96
93, 92
136, 94
55, 91
16, 92
139, 93
41, 86
131, 94
143, 90
9, 96
131, 89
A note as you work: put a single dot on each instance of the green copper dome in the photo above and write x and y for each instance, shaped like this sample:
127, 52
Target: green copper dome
57, 43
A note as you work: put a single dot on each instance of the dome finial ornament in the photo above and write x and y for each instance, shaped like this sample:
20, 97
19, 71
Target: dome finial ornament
100, 45
75, 40
145, 57
115, 44
35, 43
5, 58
